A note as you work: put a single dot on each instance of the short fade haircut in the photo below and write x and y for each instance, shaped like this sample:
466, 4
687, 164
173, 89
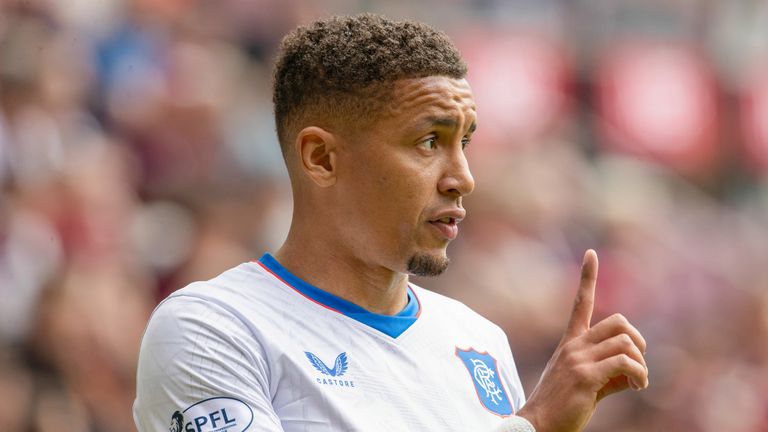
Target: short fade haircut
344, 68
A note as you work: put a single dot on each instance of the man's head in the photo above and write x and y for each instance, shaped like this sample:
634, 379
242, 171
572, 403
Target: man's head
372, 117
341, 70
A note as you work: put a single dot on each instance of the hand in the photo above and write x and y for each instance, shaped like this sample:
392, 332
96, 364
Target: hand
590, 363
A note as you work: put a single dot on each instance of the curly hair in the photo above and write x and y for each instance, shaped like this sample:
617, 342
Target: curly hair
343, 69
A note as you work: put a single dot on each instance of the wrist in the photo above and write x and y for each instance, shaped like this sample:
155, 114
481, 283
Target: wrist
516, 423
529, 416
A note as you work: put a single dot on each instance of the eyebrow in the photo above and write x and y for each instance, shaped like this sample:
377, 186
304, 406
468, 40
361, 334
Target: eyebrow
448, 122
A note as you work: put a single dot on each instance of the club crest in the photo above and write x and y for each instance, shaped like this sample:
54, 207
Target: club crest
484, 372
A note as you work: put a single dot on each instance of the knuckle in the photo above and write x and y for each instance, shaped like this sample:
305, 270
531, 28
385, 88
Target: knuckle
570, 358
581, 373
626, 341
620, 319
571, 345
624, 361
621, 324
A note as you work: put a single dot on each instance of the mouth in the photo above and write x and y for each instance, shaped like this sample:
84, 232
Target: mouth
446, 220
447, 227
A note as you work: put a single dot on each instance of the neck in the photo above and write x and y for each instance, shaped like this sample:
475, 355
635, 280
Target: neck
321, 262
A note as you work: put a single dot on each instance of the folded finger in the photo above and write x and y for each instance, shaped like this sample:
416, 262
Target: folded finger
615, 325
622, 364
616, 345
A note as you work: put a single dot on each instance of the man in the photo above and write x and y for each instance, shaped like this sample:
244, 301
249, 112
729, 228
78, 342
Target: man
327, 334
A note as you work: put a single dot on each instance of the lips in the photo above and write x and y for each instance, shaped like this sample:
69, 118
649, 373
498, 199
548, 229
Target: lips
446, 223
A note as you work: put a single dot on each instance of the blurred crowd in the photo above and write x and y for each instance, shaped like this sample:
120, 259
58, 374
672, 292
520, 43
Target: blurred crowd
138, 153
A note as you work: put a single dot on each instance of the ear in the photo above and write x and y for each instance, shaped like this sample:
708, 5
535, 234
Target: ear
317, 151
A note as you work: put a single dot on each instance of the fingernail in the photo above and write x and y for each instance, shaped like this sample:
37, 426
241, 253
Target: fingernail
634, 385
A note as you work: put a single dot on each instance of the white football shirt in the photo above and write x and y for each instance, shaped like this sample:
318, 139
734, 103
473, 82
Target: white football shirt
258, 349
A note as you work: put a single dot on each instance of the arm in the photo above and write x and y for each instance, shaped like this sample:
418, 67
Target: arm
199, 366
590, 363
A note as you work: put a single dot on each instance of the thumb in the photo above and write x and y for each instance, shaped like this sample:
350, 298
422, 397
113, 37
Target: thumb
584, 303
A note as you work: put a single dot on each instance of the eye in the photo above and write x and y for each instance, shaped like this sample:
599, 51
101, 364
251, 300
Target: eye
429, 143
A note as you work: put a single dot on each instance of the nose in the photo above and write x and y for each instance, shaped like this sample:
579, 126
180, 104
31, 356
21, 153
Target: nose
457, 180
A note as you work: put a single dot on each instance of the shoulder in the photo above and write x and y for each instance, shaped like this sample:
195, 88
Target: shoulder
228, 286
231, 308
204, 323
201, 349
236, 293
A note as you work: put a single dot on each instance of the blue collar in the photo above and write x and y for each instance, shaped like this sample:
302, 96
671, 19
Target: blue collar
391, 325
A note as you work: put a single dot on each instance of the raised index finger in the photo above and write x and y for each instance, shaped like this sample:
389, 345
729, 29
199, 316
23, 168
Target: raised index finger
585, 297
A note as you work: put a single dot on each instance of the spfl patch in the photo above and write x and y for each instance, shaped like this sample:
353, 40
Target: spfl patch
484, 372
219, 414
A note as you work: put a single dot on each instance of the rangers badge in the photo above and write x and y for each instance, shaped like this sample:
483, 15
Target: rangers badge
484, 372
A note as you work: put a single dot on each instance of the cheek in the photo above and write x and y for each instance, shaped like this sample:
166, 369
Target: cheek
388, 195
406, 199
386, 210
400, 189
407, 193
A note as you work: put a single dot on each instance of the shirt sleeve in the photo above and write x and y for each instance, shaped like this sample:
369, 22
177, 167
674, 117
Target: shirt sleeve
200, 368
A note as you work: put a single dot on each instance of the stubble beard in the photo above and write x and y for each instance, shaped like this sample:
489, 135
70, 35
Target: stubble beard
427, 265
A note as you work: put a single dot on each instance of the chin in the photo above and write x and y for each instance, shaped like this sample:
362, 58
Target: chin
427, 265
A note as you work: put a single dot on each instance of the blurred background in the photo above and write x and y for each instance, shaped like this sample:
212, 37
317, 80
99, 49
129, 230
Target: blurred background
138, 153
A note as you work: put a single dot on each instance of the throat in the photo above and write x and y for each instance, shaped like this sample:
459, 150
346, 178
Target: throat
377, 290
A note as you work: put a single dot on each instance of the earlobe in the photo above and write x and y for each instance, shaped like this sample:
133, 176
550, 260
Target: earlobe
317, 149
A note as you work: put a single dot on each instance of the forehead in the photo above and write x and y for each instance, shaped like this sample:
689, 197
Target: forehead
432, 95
